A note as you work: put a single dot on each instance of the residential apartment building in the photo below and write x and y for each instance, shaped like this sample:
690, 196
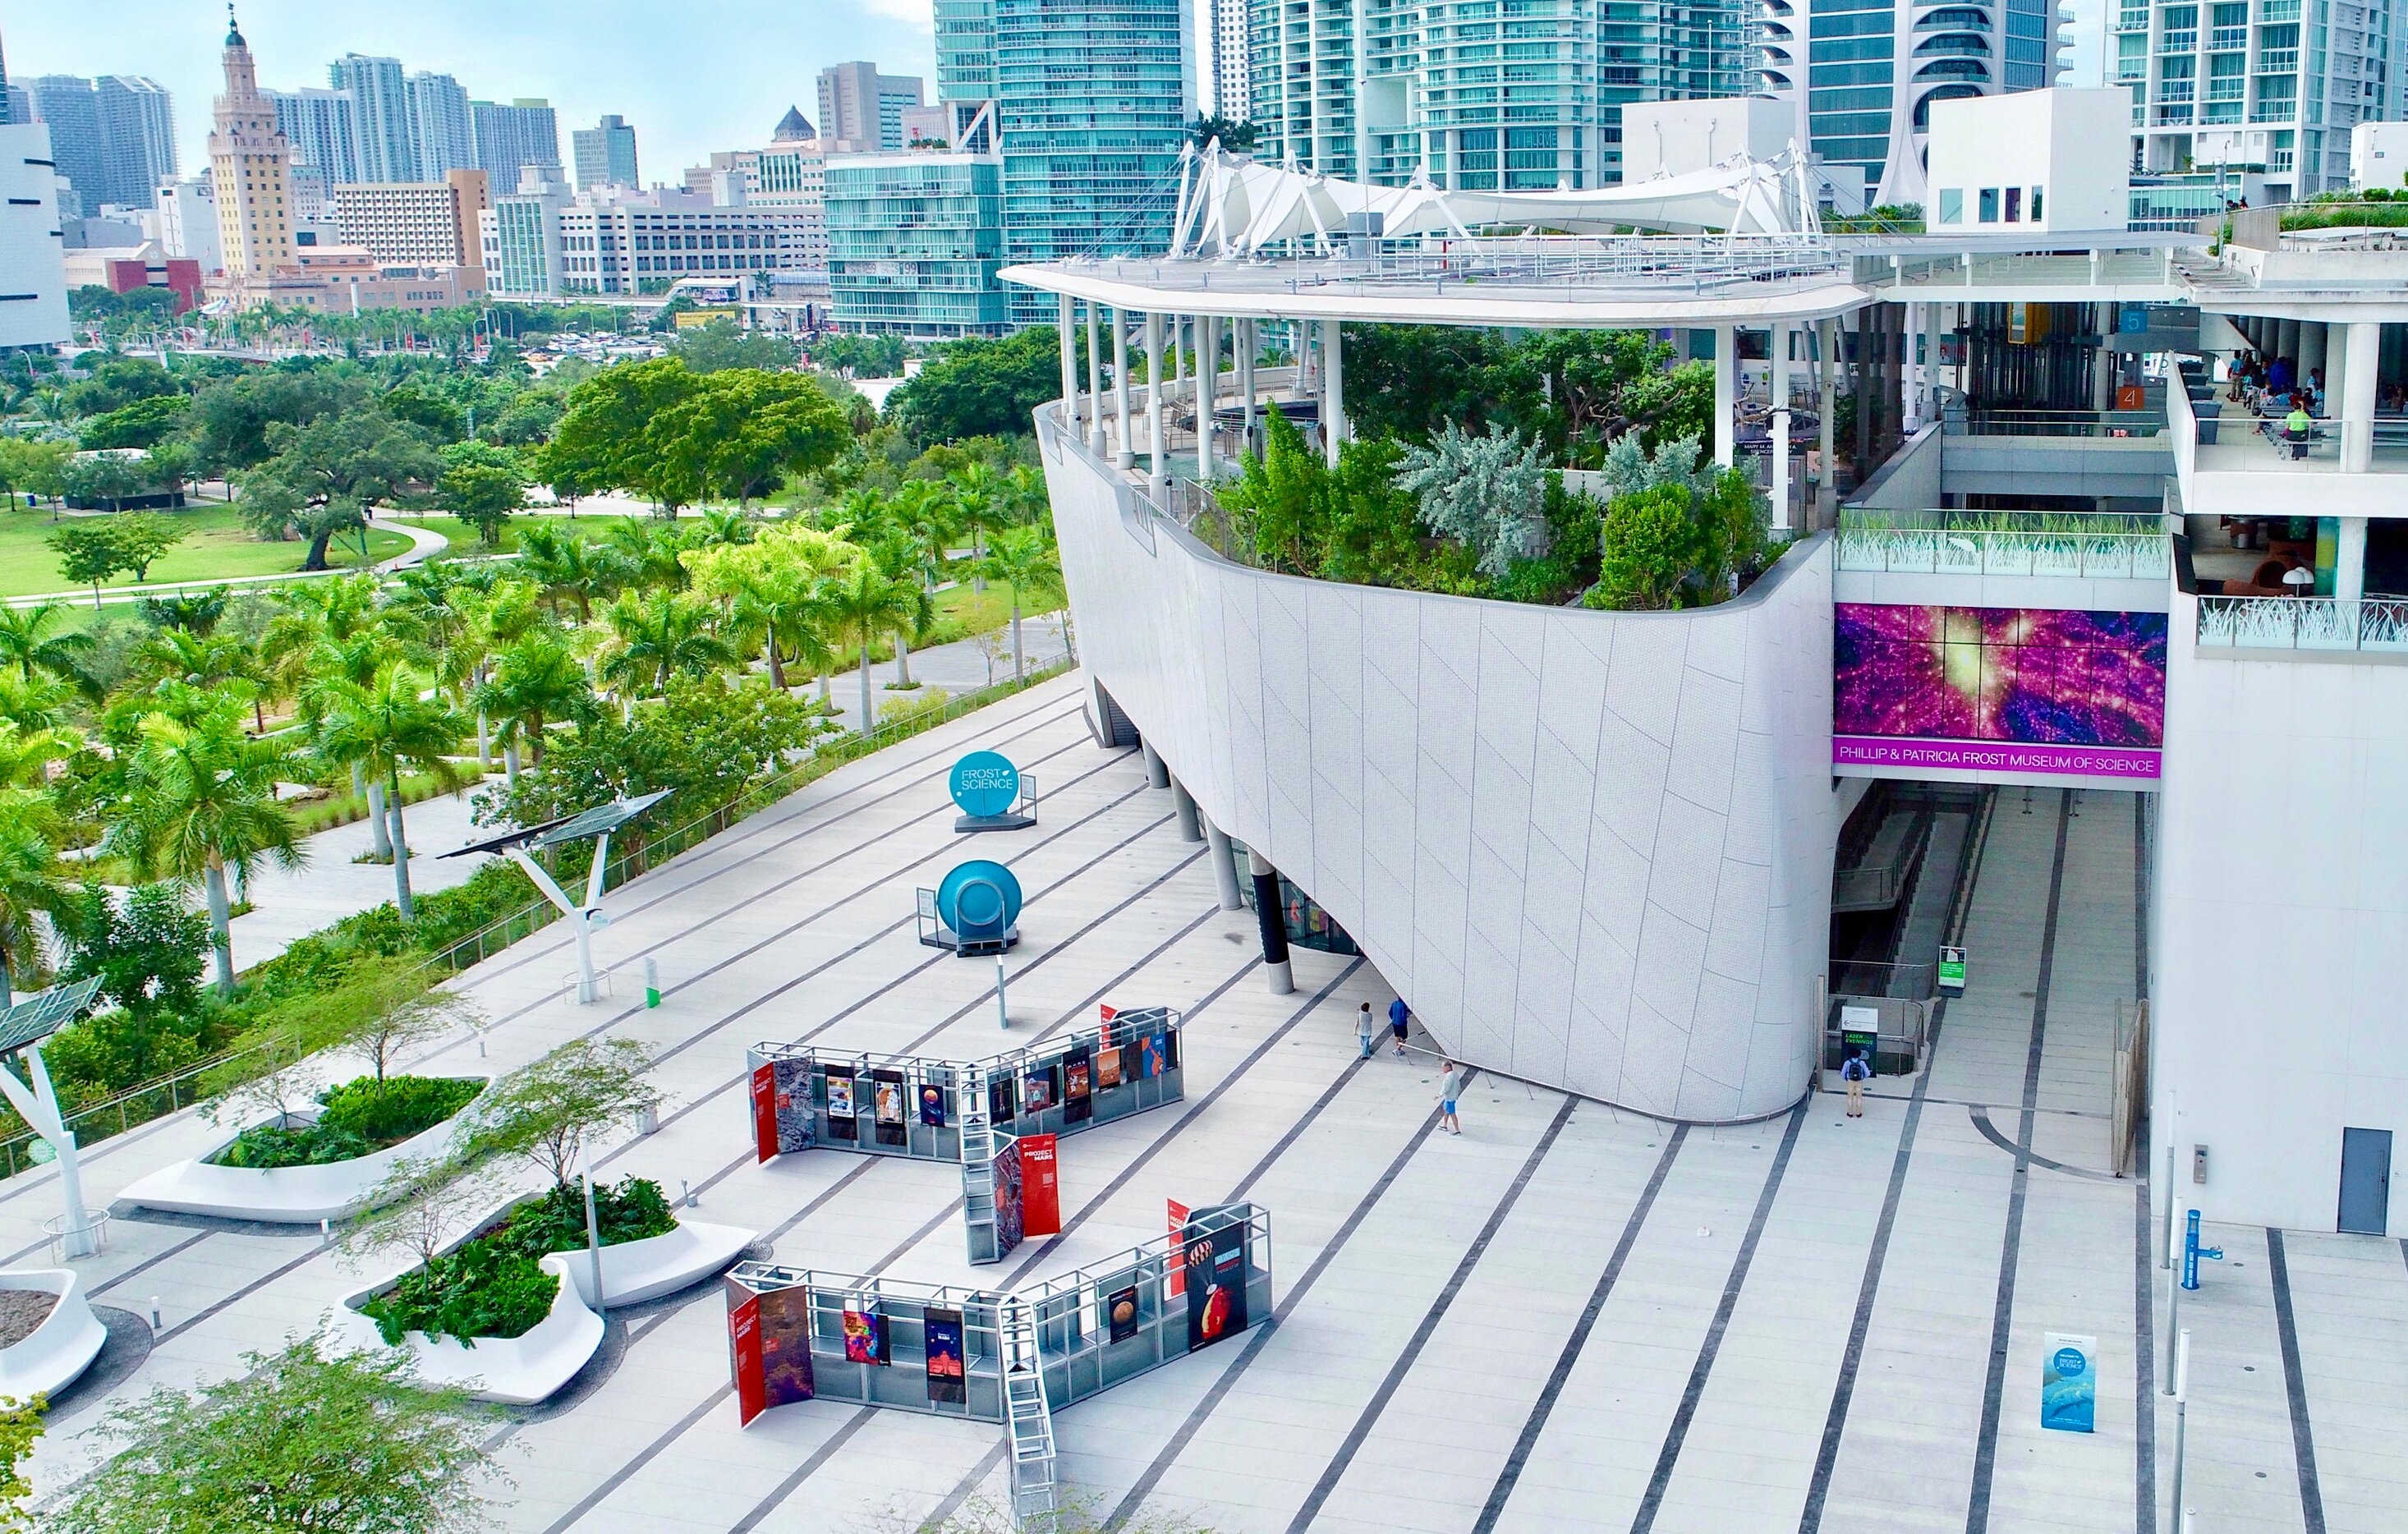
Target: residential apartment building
442, 136
322, 128
2267, 85
33, 310
428, 223
914, 243
512, 136
1862, 75
861, 109
606, 154
252, 164
1224, 66
381, 138
1473, 98
114, 137
550, 243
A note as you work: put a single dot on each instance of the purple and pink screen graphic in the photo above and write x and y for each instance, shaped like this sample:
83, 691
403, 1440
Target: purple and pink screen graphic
2025, 677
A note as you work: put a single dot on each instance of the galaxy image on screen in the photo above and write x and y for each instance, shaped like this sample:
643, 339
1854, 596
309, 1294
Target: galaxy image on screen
2044, 675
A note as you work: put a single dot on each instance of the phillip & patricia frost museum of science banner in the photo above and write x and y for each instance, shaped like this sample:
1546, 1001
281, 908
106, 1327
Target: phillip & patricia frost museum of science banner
2023, 690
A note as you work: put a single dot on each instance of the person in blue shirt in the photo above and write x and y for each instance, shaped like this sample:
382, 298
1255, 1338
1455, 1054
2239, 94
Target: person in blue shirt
2279, 376
1855, 1071
1399, 1017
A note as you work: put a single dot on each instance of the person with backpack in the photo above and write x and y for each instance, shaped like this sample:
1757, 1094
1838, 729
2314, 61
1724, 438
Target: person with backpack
1399, 1018
1855, 1072
1364, 1029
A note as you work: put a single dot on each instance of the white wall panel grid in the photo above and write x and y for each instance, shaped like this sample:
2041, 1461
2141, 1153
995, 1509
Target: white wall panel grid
1591, 849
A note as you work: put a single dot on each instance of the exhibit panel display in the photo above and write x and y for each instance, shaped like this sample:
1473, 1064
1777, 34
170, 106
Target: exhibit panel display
802, 1334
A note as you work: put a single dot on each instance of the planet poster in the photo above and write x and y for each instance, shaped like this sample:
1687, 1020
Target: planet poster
1120, 1314
1214, 1253
932, 1104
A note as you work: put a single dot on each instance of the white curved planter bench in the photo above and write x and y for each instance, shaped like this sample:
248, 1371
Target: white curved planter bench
635, 1272
62, 1346
283, 1195
512, 1370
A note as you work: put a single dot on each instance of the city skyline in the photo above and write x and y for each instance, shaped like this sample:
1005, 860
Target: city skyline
578, 60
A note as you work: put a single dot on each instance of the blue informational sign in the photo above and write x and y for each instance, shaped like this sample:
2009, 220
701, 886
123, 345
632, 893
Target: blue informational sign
2069, 1381
985, 783
979, 900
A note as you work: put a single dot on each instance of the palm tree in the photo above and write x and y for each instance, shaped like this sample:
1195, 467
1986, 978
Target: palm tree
569, 564
978, 504
534, 681
200, 800
727, 525
354, 660
31, 640
868, 602
900, 556
650, 551
391, 723
1025, 561
658, 636
29, 883
789, 610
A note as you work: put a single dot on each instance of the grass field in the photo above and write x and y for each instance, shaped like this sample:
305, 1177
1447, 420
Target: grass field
217, 546
464, 537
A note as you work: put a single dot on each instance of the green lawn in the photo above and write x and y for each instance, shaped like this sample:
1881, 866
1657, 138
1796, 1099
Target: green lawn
218, 546
464, 537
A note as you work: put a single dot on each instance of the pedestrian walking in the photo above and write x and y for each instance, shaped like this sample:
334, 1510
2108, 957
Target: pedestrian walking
1855, 1071
1364, 1029
1450, 1085
1399, 1015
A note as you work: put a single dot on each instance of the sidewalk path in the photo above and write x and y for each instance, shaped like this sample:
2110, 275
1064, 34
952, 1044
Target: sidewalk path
288, 905
956, 667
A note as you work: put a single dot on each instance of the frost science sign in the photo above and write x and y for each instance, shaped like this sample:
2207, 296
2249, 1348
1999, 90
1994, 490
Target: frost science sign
986, 788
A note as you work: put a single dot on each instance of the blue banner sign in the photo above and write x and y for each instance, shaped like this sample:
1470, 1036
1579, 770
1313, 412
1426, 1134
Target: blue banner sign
2069, 1381
985, 783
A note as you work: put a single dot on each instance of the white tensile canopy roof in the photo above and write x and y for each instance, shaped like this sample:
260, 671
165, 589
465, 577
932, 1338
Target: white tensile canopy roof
1230, 205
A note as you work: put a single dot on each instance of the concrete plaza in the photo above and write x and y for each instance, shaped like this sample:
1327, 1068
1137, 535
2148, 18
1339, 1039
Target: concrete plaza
1570, 1317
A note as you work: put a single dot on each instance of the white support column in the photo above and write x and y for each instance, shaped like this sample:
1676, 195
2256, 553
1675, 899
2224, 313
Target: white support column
2349, 560
1333, 392
1781, 425
38, 1106
1126, 456
1208, 392
2313, 333
1246, 351
1158, 477
1095, 378
1827, 402
1910, 393
1725, 394
2362, 361
1070, 366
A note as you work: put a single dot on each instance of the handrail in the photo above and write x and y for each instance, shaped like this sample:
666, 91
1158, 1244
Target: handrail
2303, 623
1980, 551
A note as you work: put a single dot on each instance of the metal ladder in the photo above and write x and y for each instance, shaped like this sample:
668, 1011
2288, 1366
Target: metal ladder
1028, 1421
978, 1151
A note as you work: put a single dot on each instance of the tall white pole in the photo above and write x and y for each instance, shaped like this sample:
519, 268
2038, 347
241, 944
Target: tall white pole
1333, 392
1095, 378
1909, 387
1158, 477
1069, 377
1245, 344
1781, 425
1208, 392
1126, 456
1725, 394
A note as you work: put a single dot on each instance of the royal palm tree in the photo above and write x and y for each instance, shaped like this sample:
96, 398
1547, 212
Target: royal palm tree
868, 603
354, 659
726, 524
902, 559
977, 505
34, 640
1025, 561
201, 799
534, 681
657, 637
570, 565
789, 608
393, 723
30, 885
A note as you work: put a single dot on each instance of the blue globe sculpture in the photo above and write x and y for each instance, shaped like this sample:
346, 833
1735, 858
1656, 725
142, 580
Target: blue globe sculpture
980, 900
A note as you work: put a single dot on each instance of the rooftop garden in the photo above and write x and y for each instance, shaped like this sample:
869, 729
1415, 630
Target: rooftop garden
2375, 208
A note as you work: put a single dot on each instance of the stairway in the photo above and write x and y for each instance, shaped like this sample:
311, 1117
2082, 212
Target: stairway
1028, 1422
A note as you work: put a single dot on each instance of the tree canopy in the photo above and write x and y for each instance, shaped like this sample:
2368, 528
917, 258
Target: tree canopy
979, 387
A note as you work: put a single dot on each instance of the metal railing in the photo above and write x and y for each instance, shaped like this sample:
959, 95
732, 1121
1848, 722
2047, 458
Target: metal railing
2092, 423
1910, 550
2372, 623
138, 1105
1695, 261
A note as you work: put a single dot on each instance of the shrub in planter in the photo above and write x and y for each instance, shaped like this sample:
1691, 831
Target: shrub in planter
633, 1210
355, 1119
487, 1289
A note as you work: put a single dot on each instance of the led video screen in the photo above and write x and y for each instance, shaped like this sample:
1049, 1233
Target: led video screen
2036, 690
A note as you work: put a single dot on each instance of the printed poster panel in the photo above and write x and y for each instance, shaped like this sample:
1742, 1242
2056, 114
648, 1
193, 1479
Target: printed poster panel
1156, 1055
1040, 1188
931, 1104
798, 1121
1120, 1312
842, 1108
1077, 1088
865, 1334
1002, 1103
744, 1355
1036, 1089
1216, 1282
765, 1110
1007, 1212
1108, 1068
886, 1088
947, 1383
2069, 1381
1174, 1268
786, 1347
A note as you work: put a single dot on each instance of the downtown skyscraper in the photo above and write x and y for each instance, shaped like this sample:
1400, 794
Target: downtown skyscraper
113, 137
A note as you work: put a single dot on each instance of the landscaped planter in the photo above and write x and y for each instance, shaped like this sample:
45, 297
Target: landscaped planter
62, 1346
519, 1371
283, 1195
512, 1370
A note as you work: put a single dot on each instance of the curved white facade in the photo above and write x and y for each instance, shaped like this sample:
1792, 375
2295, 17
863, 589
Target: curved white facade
1592, 849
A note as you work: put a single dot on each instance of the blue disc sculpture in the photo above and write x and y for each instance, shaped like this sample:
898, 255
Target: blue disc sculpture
979, 901
988, 790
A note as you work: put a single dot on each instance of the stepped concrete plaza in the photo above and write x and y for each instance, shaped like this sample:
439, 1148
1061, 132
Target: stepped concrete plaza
1572, 1316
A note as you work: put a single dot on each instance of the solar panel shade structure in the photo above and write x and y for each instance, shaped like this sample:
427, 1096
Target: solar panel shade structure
35, 1019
